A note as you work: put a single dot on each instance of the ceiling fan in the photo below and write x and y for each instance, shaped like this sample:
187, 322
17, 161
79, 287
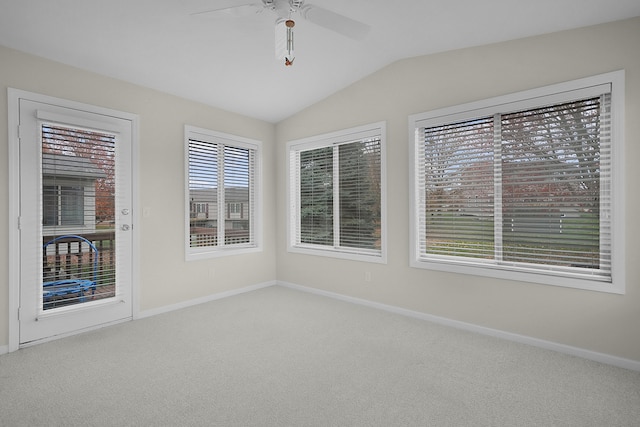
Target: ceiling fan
285, 11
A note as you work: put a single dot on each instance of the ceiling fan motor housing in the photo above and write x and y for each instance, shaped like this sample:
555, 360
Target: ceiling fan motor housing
283, 8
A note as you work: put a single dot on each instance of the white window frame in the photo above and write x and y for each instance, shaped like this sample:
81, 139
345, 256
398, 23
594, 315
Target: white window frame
556, 93
377, 130
229, 140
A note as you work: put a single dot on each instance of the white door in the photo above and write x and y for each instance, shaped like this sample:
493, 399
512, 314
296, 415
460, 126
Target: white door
75, 220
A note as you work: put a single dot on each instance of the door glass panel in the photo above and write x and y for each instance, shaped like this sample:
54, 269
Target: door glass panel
78, 216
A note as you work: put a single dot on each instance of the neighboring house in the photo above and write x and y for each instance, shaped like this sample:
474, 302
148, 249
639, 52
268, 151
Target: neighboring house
204, 207
69, 194
477, 199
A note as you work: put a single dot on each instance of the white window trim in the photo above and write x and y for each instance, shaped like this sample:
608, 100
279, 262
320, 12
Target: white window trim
193, 254
346, 135
522, 100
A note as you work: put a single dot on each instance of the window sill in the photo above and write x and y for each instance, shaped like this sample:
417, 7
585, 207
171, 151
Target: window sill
340, 253
207, 253
538, 277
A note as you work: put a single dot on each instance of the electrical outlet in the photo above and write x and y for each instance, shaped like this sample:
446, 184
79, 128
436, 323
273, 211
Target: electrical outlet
367, 276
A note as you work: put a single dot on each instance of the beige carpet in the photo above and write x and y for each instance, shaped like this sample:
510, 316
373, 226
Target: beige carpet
281, 357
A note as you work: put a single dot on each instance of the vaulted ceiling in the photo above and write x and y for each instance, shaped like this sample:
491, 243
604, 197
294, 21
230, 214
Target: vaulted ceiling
226, 58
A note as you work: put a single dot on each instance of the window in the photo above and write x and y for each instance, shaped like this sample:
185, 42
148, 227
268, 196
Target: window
524, 186
223, 194
62, 205
235, 208
337, 194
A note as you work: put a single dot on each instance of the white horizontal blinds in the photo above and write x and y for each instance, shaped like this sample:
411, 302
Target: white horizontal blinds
203, 193
315, 183
551, 174
78, 215
360, 194
606, 208
238, 195
456, 177
221, 194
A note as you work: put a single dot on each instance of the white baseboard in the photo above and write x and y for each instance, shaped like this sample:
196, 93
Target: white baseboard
608, 359
208, 298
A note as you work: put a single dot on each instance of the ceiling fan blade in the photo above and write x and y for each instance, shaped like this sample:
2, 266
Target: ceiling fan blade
335, 22
239, 10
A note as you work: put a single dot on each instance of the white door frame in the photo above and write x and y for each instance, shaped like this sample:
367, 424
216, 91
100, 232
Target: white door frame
14, 96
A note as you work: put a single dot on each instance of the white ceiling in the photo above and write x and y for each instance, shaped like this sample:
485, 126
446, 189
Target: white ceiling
228, 61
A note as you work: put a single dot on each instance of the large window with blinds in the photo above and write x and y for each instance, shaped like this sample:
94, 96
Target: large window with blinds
223, 193
78, 186
337, 194
526, 186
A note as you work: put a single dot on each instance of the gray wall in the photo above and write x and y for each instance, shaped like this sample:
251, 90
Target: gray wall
595, 321
165, 277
